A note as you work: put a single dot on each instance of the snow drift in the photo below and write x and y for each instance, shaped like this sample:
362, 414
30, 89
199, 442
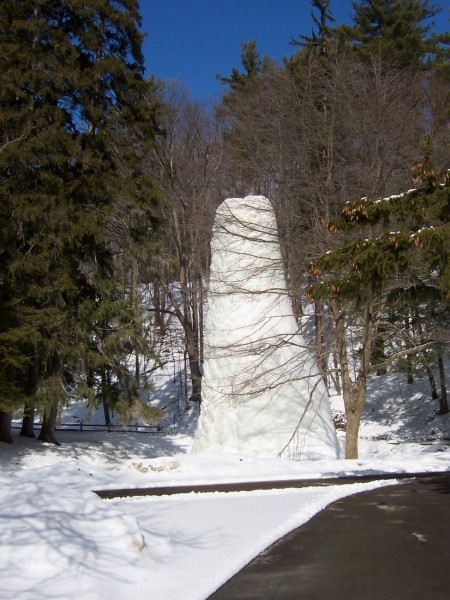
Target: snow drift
262, 393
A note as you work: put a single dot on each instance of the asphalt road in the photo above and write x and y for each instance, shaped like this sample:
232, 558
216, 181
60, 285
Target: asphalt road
392, 543
247, 486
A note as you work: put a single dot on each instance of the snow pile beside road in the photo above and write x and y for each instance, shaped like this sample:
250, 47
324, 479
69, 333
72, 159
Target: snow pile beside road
61, 543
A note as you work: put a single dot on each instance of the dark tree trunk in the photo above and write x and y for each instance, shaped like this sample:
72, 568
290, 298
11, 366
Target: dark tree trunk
434, 393
50, 420
193, 345
431, 380
5, 427
105, 397
47, 433
196, 380
194, 365
28, 412
443, 402
27, 429
320, 341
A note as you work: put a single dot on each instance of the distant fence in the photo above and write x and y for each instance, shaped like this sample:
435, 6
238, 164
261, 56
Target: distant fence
82, 426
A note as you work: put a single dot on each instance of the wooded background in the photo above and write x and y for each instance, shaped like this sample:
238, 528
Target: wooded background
109, 182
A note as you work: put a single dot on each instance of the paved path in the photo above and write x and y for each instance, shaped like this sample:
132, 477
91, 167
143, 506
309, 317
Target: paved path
248, 486
392, 543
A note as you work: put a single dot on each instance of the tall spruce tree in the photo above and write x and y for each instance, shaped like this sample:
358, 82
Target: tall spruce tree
75, 113
254, 66
320, 37
397, 29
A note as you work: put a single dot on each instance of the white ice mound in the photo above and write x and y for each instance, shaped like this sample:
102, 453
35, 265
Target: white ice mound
262, 393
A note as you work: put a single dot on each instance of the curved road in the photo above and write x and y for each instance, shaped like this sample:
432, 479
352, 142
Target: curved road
392, 543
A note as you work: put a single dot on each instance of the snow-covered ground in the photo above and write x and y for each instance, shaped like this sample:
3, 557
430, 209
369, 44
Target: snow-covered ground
60, 540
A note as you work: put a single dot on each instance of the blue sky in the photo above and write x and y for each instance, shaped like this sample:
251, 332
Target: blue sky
191, 40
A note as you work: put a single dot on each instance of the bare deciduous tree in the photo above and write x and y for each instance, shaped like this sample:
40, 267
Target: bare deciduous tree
186, 164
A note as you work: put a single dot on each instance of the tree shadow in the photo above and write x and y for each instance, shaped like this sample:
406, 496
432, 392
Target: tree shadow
60, 543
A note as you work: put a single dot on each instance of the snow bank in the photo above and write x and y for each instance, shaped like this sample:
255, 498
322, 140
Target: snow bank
262, 393
56, 542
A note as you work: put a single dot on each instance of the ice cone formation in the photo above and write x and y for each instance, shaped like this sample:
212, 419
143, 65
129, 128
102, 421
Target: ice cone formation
262, 393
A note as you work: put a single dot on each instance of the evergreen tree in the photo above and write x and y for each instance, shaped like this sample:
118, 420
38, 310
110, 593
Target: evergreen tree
322, 22
246, 93
75, 115
254, 66
398, 29
394, 247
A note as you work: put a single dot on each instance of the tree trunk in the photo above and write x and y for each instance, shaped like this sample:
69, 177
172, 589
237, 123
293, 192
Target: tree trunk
334, 373
28, 413
193, 345
105, 397
352, 400
27, 429
432, 382
355, 392
196, 380
53, 393
320, 341
443, 402
136, 301
409, 367
194, 366
191, 335
49, 422
5, 427
185, 381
